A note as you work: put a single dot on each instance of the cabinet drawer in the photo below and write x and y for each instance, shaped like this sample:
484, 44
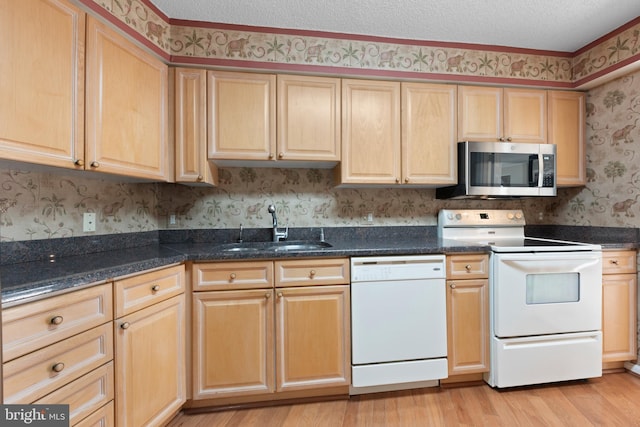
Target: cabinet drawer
34, 375
618, 262
232, 275
103, 417
84, 395
468, 266
312, 272
137, 292
33, 325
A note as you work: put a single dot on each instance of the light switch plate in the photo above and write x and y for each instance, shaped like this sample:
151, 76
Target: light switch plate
89, 222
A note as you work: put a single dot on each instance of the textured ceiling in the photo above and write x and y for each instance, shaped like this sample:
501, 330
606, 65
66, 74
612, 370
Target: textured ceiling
560, 25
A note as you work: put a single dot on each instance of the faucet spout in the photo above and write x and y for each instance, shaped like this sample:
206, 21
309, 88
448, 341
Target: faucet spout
277, 234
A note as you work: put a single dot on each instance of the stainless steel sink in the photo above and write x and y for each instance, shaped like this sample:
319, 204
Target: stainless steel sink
294, 245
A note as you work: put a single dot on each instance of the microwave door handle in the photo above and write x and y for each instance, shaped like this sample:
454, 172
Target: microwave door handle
540, 170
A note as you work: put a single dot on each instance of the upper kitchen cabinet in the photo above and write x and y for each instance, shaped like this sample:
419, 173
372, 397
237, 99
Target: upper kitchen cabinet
370, 132
497, 114
308, 118
398, 133
241, 116
189, 127
429, 134
42, 82
566, 130
127, 107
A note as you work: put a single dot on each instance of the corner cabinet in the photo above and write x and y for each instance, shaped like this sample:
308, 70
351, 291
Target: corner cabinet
467, 314
566, 130
150, 347
42, 107
619, 306
126, 109
495, 114
189, 127
266, 330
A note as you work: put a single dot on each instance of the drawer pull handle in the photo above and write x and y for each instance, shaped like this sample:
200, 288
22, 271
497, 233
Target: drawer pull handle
312, 273
232, 276
467, 267
58, 367
155, 288
125, 325
56, 320
614, 261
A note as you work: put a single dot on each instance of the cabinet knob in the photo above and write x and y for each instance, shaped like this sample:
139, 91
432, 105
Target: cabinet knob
280, 155
125, 325
452, 285
232, 276
280, 295
467, 267
509, 138
501, 139
199, 178
56, 320
79, 162
613, 261
95, 164
397, 180
312, 273
58, 367
155, 288
406, 180
271, 156
267, 295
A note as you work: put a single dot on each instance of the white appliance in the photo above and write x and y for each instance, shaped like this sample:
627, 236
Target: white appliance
545, 299
398, 322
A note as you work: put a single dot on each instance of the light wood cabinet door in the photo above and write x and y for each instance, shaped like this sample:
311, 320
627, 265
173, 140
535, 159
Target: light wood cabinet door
308, 117
496, 114
150, 364
468, 326
127, 107
370, 132
619, 317
566, 130
241, 116
313, 339
479, 113
189, 97
42, 82
429, 134
525, 115
233, 343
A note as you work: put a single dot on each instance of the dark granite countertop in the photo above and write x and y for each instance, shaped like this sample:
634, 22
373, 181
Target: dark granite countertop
77, 262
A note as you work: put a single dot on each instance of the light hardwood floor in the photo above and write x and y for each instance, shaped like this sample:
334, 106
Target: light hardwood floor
613, 400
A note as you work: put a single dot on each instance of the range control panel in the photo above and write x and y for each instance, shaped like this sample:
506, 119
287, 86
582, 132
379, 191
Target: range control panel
480, 218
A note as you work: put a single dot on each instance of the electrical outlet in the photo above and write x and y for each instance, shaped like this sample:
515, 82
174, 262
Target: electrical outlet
89, 222
172, 220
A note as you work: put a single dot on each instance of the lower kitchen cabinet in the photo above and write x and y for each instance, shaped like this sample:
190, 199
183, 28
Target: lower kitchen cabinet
619, 306
467, 314
259, 344
150, 348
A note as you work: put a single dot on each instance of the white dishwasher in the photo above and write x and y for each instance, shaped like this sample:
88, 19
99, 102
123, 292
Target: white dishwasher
398, 322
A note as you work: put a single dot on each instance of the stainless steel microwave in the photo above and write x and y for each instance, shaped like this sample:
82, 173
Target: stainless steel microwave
503, 169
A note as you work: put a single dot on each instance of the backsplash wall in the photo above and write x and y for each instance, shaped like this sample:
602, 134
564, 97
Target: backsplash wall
36, 205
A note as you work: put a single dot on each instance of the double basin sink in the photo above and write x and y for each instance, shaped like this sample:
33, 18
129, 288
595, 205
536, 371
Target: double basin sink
291, 246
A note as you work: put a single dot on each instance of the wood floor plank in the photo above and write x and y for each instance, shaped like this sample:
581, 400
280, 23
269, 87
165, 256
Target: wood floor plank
613, 400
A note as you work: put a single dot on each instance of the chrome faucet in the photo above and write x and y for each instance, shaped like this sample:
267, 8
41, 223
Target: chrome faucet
277, 234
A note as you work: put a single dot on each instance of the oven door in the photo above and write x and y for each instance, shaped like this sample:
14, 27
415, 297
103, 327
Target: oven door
546, 293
